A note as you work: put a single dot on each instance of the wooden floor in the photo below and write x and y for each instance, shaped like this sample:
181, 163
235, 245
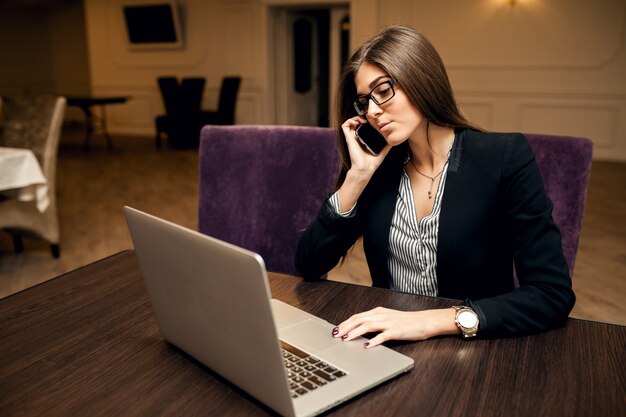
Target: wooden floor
93, 188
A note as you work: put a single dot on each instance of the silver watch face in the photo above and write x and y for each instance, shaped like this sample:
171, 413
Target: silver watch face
467, 319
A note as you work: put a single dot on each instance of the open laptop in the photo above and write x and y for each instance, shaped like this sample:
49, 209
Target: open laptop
212, 300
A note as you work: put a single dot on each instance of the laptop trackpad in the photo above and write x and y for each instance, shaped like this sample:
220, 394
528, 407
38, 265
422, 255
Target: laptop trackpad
310, 334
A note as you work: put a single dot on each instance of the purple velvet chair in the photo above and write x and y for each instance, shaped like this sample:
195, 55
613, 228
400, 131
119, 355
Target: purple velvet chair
565, 165
286, 172
260, 186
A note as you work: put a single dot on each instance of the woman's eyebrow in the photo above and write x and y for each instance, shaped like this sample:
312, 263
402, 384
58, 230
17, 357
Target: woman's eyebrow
372, 84
375, 81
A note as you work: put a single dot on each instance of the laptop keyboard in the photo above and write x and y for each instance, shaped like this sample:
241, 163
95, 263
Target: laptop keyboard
305, 372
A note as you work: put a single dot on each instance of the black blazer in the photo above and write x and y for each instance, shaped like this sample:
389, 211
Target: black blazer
495, 213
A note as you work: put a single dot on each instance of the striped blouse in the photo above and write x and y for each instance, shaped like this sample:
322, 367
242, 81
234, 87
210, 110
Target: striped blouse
412, 243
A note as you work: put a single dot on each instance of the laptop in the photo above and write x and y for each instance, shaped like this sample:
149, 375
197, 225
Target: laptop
212, 300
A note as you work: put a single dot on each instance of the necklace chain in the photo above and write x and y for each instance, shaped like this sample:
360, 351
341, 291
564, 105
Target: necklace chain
432, 179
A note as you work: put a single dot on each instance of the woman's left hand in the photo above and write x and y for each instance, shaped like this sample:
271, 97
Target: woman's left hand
397, 325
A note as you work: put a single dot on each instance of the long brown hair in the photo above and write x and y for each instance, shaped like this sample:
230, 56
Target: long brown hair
410, 59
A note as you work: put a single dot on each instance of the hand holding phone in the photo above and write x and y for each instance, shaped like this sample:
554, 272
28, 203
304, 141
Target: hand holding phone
370, 138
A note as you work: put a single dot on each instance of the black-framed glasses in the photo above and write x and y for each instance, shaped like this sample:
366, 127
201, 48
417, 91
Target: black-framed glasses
380, 94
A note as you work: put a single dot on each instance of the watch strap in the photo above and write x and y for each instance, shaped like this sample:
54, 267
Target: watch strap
466, 331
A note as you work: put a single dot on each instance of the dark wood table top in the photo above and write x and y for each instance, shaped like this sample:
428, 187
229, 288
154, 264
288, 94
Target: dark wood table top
86, 101
86, 344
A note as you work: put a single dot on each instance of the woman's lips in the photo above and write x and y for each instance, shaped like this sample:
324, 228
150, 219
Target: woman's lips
382, 126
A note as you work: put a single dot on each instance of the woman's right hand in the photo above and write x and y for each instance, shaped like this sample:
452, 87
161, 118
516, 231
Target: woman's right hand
362, 164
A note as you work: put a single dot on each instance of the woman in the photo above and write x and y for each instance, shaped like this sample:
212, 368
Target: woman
444, 209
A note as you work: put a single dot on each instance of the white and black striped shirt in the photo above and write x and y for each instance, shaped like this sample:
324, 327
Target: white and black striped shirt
412, 243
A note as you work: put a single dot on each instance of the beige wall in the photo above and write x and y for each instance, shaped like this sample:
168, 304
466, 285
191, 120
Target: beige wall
68, 42
542, 66
43, 47
25, 51
549, 66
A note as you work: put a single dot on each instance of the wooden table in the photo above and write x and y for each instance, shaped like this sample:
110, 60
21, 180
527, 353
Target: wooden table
85, 103
86, 344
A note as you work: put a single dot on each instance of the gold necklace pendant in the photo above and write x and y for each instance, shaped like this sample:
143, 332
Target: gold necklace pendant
432, 179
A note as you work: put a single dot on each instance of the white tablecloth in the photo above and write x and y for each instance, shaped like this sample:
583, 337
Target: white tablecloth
21, 177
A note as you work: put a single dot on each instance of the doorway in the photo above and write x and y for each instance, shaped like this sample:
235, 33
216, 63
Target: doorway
308, 47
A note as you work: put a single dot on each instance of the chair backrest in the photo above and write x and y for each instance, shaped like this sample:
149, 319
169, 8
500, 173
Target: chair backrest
228, 99
565, 165
34, 122
191, 92
260, 186
169, 93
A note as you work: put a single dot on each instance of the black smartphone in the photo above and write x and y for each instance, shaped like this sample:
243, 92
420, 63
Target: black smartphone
370, 138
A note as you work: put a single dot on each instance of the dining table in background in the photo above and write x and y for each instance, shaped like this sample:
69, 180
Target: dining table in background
85, 103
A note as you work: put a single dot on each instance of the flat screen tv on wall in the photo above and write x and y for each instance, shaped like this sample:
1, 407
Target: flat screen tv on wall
154, 25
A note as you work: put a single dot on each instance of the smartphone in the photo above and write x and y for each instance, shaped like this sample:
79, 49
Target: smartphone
370, 138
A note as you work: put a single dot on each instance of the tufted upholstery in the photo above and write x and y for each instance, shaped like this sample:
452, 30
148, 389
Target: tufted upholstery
565, 165
27, 123
33, 122
260, 186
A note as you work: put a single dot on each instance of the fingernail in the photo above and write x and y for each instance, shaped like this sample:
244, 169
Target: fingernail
366, 344
335, 330
344, 337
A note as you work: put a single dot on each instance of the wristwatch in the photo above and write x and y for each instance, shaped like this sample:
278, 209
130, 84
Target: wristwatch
466, 320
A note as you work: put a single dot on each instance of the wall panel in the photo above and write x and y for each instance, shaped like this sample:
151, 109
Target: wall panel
479, 112
556, 66
595, 120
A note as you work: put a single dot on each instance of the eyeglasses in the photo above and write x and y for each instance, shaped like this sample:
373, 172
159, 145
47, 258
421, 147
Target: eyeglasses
380, 94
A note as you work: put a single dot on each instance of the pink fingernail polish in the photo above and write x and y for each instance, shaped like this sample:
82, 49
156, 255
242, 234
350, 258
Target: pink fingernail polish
344, 337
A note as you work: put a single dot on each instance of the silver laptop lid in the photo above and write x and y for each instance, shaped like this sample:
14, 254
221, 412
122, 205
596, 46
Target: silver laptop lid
212, 300
187, 275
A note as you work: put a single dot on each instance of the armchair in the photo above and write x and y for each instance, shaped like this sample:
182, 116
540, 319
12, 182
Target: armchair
184, 118
252, 180
565, 166
225, 114
34, 123
260, 186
